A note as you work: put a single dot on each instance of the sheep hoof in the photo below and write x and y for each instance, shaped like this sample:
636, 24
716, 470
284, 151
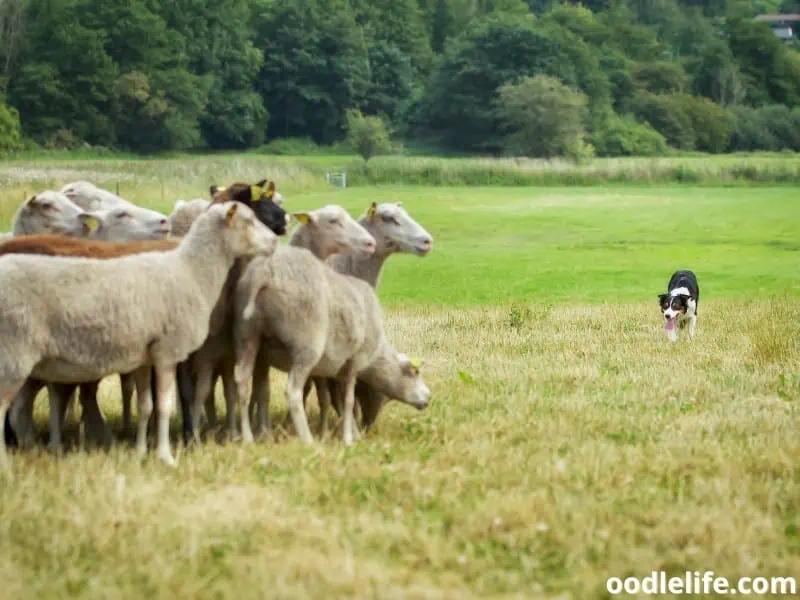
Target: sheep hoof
167, 459
247, 437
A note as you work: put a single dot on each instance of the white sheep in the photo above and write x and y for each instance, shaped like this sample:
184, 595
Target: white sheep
184, 214
324, 232
53, 330
53, 212
148, 223
312, 321
395, 232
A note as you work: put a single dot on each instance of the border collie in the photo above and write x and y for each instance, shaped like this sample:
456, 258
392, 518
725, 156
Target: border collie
679, 304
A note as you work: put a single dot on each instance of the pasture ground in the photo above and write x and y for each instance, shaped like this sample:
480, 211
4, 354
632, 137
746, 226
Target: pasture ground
567, 441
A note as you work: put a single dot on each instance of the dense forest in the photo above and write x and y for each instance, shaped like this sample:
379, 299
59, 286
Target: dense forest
525, 77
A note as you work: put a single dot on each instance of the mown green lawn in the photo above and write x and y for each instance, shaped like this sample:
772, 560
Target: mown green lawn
592, 245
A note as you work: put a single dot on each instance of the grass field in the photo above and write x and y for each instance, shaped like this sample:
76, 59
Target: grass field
567, 441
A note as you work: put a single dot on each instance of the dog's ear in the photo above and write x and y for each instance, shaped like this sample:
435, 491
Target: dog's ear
662, 298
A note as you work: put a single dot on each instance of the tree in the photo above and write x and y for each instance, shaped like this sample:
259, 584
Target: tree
495, 51
367, 135
544, 117
771, 71
12, 30
220, 48
315, 67
9, 127
660, 77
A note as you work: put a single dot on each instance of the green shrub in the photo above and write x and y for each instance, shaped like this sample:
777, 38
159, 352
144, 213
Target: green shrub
687, 122
773, 127
624, 136
367, 135
299, 147
666, 115
660, 77
10, 129
545, 118
712, 124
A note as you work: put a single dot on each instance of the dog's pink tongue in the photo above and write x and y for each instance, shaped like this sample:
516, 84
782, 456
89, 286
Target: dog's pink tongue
669, 325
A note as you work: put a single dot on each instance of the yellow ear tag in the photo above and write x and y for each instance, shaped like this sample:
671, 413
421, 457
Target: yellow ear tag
92, 223
221, 189
302, 217
416, 363
371, 211
256, 191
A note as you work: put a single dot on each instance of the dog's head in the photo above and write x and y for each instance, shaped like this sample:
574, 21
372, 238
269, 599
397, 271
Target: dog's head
672, 306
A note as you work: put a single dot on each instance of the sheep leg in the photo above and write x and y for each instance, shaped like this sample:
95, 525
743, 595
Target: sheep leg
185, 394
145, 400
21, 413
126, 385
211, 407
8, 432
260, 395
6, 398
294, 400
165, 390
324, 396
152, 420
371, 402
60, 396
202, 388
306, 393
246, 351
229, 389
97, 428
349, 402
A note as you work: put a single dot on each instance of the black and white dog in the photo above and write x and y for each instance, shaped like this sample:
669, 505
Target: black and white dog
679, 304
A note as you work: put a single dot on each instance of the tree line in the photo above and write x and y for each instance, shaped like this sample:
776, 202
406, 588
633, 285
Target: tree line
529, 77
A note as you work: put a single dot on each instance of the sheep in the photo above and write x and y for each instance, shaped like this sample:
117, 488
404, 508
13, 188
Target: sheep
20, 424
259, 198
184, 214
395, 232
397, 376
144, 223
312, 321
323, 232
53, 212
90, 197
277, 219
53, 330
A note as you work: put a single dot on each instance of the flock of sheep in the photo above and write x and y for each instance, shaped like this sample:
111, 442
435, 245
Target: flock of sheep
94, 285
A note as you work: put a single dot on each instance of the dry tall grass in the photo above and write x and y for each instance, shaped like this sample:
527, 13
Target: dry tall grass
564, 445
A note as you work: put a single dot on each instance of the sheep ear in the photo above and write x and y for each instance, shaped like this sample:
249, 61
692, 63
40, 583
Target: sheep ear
32, 201
256, 191
91, 222
271, 190
70, 194
304, 217
231, 213
371, 211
